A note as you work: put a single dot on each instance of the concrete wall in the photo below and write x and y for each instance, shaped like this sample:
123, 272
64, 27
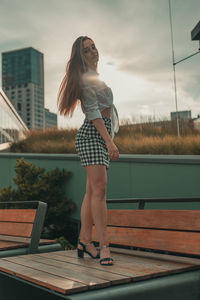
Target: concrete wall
132, 176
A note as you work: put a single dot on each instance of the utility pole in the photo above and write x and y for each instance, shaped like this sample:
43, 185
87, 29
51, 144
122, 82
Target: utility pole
195, 35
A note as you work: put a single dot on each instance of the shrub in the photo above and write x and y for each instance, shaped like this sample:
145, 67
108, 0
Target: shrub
35, 184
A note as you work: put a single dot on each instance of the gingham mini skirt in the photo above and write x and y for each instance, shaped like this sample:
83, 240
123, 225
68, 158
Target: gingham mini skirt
90, 146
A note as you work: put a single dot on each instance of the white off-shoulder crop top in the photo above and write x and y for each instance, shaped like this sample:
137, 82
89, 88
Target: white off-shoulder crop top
95, 97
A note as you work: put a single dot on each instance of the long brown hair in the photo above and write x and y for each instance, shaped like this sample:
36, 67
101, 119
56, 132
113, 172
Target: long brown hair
69, 91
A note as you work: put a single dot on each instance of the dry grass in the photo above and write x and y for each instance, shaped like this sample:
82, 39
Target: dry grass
132, 139
47, 141
159, 145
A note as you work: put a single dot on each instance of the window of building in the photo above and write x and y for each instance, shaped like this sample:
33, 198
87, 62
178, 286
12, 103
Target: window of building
19, 106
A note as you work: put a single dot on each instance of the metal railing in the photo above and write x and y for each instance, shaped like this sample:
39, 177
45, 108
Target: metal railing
142, 201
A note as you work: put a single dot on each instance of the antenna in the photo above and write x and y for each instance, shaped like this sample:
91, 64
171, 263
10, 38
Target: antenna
195, 35
174, 70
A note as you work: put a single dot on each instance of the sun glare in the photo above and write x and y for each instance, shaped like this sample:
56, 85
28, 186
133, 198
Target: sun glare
125, 86
133, 94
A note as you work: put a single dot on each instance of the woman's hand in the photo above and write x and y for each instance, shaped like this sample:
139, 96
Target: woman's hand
112, 149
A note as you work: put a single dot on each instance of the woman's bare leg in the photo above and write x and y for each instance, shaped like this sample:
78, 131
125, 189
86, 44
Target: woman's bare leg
87, 221
97, 177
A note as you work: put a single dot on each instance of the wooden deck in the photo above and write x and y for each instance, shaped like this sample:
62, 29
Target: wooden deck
63, 272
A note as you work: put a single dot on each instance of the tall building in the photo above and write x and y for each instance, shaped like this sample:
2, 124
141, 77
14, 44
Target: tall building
50, 119
23, 83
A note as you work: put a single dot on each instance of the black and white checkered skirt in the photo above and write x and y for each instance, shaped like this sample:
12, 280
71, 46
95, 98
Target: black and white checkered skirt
90, 146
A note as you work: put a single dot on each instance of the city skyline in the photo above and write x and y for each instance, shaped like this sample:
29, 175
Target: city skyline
23, 83
133, 38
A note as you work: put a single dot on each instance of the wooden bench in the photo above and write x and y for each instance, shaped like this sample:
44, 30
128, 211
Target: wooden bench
136, 274
20, 228
174, 231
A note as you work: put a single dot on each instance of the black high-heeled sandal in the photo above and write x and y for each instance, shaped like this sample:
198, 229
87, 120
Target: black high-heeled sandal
80, 252
109, 259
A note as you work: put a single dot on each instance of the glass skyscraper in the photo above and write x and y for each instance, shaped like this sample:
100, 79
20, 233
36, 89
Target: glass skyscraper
23, 83
50, 119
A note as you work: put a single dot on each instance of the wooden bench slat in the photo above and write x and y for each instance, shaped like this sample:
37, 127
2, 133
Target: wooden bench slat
156, 256
175, 241
16, 239
165, 219
17, 215
5, 245
25, 224
25, 240
16, 229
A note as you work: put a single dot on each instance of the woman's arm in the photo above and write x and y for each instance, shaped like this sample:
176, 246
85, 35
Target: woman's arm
112, 149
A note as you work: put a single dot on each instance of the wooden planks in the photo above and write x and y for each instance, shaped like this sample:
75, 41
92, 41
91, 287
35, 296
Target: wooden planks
175, 241
17, 215
17, 222
42, 278
63, 272
6, 245
166, 219
167, 230
157, 256
16, 229
20, 242
14, 239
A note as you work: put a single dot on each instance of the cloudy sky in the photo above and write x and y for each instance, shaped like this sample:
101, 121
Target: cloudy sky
134, 43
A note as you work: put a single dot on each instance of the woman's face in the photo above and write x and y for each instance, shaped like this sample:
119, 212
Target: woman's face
90, 52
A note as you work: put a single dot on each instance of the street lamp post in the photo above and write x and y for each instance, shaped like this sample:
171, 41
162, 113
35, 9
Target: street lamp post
195, 35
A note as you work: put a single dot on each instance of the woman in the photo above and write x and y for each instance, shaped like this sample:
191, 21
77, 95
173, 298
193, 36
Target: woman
94, 142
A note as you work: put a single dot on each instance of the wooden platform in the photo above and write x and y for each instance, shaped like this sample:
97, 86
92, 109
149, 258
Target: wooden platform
63, 272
